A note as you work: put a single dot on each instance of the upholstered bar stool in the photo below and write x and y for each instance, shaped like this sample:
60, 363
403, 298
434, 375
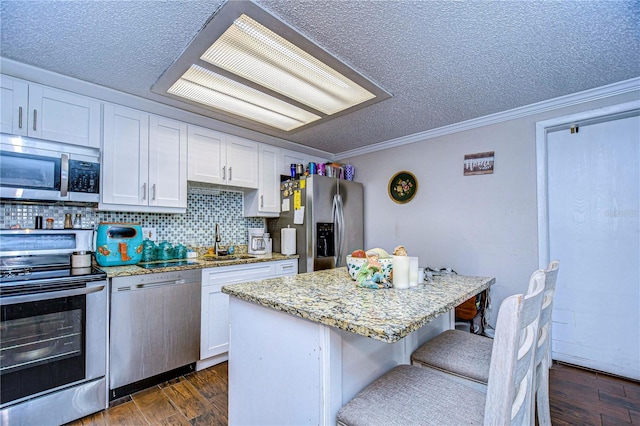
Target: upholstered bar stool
467, 356
410, 395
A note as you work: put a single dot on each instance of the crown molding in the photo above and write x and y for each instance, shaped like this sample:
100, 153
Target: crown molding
527, 110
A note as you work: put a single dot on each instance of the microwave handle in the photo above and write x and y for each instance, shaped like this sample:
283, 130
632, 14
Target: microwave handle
64, 175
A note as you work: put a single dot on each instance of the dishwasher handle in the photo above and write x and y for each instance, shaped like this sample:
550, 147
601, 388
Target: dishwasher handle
146, 286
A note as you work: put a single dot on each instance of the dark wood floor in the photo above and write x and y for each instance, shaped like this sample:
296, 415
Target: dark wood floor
577, 397
581, 397
198, 398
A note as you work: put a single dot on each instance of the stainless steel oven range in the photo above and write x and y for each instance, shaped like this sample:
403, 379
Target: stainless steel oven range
53, 329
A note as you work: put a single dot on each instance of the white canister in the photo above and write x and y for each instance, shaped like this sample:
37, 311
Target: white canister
81, 259
288, 240
413, 271
400, 272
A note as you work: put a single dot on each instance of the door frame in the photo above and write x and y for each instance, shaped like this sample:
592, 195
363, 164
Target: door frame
542, 129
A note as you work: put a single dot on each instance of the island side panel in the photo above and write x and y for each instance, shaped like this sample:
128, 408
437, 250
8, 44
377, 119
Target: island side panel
276, 371
286, 370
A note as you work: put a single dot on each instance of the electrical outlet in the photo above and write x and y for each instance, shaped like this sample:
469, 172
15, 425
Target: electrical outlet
149, 233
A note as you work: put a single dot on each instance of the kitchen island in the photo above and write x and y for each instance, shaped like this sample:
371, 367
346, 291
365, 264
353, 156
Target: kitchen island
302, 346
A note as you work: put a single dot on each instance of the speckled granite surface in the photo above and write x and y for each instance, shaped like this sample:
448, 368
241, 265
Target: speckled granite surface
199, 263
331, 297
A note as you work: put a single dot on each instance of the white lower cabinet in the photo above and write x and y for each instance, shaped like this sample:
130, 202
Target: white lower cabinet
214, 325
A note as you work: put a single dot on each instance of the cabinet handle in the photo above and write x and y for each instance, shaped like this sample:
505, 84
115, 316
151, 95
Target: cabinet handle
230, 178
154, 192
144, 191
224, 172
262, 201
35, 119
19, 117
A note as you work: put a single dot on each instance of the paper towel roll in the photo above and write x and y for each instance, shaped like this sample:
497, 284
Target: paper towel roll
288, 240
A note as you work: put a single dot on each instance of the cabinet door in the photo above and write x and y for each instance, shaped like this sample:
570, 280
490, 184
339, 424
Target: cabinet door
62, 116
289, 158
14, 95
207, 155
125, 156
167, 162
269, 183
214, 333
242, 162
214, 325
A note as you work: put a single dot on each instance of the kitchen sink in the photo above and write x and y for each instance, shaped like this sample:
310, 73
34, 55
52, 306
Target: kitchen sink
228, 258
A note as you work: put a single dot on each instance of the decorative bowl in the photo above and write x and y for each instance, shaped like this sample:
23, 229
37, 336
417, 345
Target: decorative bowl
355, 263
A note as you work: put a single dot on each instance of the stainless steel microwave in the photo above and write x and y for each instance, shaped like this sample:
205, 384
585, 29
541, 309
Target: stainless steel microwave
38, 170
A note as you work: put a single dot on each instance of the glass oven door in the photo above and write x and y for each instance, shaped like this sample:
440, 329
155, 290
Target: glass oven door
45, 340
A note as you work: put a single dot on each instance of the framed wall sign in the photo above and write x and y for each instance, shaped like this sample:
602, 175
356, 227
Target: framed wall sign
478, 164
403, 187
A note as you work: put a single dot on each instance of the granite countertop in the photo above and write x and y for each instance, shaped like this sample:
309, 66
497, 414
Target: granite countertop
331, 297
198, 263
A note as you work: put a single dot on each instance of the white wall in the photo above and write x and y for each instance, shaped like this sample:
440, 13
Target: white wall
478, 225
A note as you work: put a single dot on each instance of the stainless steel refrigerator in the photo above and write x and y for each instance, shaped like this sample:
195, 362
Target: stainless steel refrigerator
332, 222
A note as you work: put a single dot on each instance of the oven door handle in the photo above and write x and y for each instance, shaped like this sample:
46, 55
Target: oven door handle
12, 300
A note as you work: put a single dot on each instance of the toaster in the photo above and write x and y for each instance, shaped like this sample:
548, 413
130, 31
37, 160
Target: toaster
118, 244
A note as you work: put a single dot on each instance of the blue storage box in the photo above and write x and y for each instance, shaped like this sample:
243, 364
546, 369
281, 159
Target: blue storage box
118, 243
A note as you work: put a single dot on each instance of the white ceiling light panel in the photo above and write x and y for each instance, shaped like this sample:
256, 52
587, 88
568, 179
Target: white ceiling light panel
214, 90
240, 65
256, 53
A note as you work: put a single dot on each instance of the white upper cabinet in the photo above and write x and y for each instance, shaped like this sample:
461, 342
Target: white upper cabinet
14, 98
242, 162
167, 162
293, 157
289, 158
30, 109
207, 155
265, 202
125, 156
222, 159
144, 162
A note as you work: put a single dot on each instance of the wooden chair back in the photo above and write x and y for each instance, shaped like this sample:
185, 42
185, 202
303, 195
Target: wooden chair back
544, 340
511, 374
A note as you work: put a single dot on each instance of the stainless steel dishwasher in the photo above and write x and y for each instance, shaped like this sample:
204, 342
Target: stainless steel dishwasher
155, 325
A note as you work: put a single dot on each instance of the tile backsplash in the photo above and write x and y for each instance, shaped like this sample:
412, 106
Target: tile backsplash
195, 227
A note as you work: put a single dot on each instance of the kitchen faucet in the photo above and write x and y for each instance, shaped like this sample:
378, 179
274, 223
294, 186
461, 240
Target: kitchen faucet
216, 244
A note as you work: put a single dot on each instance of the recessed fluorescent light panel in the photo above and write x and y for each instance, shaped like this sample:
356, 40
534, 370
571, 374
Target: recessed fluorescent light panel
249, 64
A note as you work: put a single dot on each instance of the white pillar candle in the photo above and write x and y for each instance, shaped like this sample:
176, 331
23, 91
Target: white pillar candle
400, 271
413, 271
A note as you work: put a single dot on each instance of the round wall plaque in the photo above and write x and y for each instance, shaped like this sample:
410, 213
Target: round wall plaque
403, 187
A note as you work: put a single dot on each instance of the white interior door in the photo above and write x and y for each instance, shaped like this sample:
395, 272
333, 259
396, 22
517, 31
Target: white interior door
594, 230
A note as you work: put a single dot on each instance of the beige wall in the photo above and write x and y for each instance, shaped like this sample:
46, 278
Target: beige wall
478, 225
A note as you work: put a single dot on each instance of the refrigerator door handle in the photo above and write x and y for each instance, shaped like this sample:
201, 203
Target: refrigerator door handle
338, 223
340, 233
336, 235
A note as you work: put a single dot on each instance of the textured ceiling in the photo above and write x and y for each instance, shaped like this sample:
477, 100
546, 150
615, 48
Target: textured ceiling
443, 61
